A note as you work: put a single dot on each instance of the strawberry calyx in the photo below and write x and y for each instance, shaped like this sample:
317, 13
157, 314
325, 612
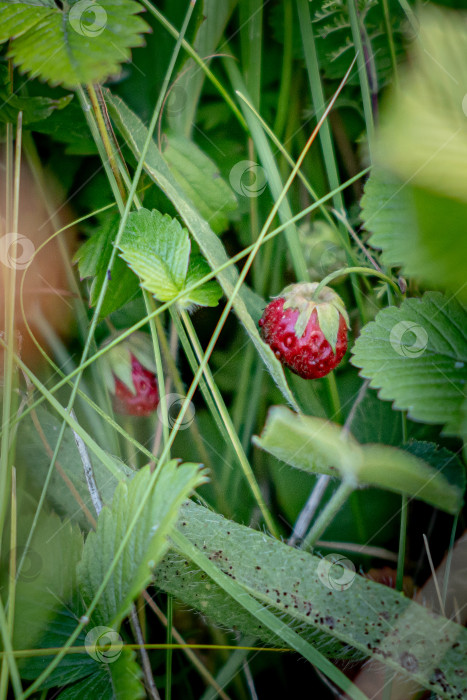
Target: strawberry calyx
130, 375
328, 305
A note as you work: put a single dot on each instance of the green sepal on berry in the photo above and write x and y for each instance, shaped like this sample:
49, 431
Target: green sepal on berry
329, 307
117, 362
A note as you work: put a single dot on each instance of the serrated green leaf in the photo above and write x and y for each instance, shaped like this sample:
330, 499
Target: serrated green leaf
303, 591
315, 445
200, 179
83, 43
417, 356
207, 295
158, 250
146, 545
245, 303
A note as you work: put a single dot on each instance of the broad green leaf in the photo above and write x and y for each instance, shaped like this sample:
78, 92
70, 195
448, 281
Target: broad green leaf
46, 608
405, 222
56, 633
158, 249
245, 304
200, 179
307, 593
417, 356
118, 680
93, 259
317, 446
441, 459
39, 433
84, 43
146, 545
34, 109
423, 142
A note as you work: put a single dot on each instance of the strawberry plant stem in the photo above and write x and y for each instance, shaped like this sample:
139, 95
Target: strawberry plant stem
340, 496
361, 271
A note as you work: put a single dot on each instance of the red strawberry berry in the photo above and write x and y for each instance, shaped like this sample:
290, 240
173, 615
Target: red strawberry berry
307, 335
145, 398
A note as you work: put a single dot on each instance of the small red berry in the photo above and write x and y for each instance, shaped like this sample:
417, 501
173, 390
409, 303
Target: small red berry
308, 335
146, 397
130, 375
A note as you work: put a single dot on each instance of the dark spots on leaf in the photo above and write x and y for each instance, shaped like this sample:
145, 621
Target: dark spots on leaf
409, 662
329, 621
258, 568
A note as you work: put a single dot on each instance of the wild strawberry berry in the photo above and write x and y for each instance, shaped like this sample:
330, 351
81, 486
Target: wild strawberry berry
307, 335
146, 397
130, 375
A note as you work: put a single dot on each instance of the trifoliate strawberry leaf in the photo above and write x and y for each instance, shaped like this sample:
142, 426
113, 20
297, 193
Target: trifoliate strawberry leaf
157, 248
146, 544
417, 357
85, 42
318, 446
200, 179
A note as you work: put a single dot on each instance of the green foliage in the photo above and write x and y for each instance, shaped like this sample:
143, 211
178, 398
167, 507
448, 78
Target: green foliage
157, 248
34, 109
83, 43
247, 306
304, 590
93, 259
318, 446
417, 357
422, 142
199, 178
39, 437
146, 544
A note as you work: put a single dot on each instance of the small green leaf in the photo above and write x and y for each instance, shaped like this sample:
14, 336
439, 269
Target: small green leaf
200, 179
34, 109
207, 295
83, 43
146, 545
417, 356
93, 259
317, 446
158, 250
